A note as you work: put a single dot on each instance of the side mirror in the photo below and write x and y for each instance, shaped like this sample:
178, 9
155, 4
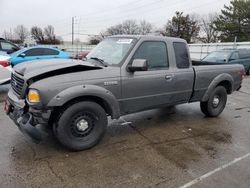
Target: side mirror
138, 65
22, 55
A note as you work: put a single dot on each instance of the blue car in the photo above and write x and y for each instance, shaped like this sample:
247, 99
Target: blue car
37, 52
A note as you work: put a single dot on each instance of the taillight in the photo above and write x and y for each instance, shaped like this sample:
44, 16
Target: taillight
5, 63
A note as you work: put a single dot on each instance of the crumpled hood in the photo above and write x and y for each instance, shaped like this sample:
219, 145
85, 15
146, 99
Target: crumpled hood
52, 67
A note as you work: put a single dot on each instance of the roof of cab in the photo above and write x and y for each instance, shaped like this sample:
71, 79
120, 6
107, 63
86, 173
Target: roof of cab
149, 37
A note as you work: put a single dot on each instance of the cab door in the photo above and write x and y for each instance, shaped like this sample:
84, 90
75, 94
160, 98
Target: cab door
162, 84
146, 89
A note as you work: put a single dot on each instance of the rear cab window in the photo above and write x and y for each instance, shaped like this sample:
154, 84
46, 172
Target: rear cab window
181, 55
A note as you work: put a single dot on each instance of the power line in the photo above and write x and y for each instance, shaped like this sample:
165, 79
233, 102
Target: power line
148, 9
100, 11
91, 22
151, 10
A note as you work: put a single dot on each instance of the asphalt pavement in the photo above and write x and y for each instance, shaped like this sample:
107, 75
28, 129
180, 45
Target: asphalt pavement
168, 147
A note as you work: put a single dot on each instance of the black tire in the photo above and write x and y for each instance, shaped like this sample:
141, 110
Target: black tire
81, 126
216, 102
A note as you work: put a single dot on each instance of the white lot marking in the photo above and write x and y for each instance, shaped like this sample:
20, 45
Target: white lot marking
197, 180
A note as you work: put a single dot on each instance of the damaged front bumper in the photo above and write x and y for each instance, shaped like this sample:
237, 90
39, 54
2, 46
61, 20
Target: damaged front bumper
30, 121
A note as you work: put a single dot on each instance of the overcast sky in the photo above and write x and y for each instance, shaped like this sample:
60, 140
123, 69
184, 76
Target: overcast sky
93, 16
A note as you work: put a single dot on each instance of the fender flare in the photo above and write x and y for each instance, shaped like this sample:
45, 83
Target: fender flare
217, 80
87, 91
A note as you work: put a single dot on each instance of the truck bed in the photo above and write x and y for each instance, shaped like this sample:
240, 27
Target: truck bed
205, 74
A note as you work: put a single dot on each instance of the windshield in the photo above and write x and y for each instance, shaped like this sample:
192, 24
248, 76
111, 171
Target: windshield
218, 57
112, 50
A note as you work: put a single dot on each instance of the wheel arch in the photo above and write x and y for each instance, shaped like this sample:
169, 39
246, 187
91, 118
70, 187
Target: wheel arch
224, 80
92, 93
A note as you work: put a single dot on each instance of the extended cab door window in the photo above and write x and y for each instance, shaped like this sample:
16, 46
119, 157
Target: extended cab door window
181, 55
155, 53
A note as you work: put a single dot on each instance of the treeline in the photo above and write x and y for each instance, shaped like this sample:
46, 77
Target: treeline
41, 36
233, 23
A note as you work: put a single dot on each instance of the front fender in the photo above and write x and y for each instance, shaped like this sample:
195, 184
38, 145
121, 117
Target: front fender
87, 90
218, 79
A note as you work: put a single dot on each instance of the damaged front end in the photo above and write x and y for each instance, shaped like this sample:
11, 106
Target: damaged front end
33, 118
26, 120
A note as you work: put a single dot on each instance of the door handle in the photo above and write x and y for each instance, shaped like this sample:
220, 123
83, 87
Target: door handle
169, 77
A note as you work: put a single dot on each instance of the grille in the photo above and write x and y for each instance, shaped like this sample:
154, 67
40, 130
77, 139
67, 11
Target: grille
17, 84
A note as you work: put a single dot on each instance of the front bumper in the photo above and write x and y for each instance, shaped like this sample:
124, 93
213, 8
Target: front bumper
26, 118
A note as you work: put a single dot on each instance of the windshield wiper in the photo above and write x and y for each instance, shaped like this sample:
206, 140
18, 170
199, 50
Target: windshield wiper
99, 60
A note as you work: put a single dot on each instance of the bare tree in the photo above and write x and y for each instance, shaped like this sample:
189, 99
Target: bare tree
21, 33
208, 32
37, 34
8, 35
95, 39
145, 27
49, 33
130, 27
115, 30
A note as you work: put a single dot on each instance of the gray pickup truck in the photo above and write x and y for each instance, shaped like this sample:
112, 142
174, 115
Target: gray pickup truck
121, 75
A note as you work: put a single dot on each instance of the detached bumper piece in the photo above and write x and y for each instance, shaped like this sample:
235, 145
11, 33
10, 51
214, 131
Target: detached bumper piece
27, 127
25, 123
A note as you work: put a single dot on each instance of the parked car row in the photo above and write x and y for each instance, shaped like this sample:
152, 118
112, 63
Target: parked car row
8, 59
228, 56
37, 52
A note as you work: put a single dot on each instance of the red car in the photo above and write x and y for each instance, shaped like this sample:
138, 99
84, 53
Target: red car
81, 55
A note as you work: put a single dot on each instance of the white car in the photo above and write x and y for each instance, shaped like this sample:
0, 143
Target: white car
5, 68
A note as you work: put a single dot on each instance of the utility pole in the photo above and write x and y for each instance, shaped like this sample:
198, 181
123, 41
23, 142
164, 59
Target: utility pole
73, 23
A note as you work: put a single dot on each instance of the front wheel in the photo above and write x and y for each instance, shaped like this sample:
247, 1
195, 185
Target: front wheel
81, 126
216, 102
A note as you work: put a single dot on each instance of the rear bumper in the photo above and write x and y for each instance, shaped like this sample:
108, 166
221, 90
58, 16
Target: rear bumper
26, 121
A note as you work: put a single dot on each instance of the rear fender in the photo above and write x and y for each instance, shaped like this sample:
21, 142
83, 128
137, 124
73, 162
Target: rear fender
216, 81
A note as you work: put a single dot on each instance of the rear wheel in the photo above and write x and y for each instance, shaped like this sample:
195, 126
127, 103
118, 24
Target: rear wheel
81, 126
216, 102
